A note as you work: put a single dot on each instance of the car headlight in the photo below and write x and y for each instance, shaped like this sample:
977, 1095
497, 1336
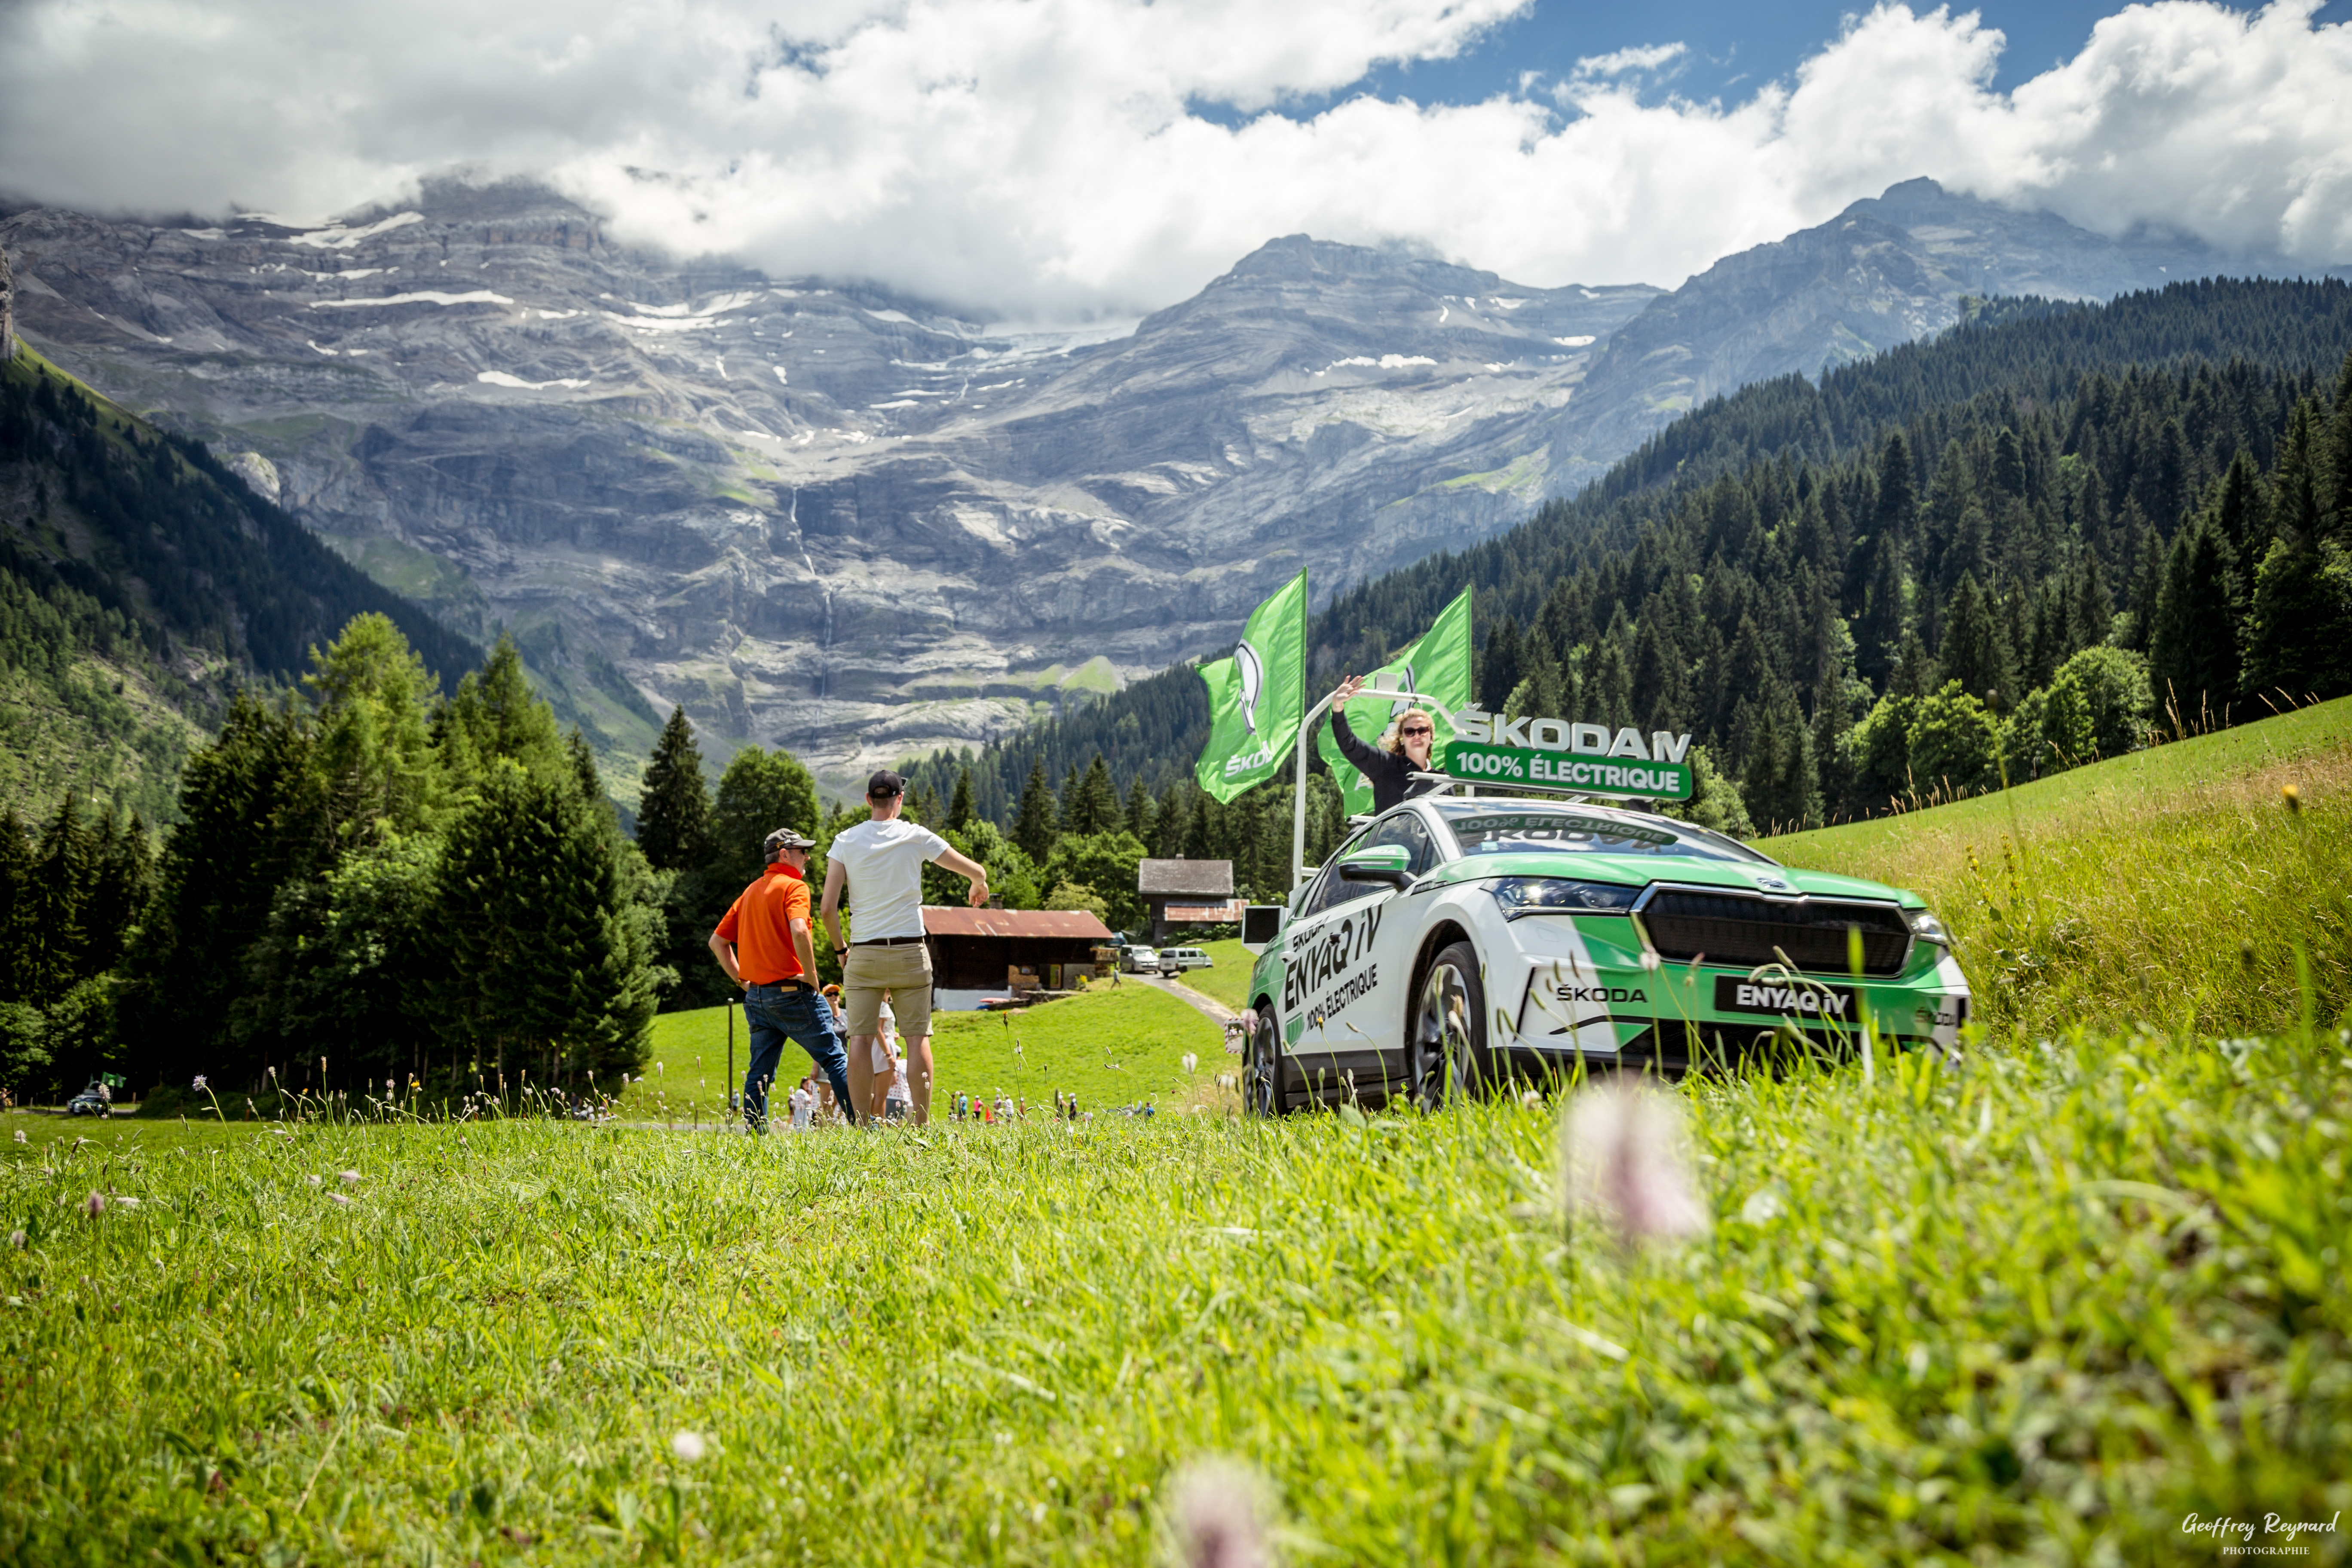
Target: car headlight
1559, 895
1928, 929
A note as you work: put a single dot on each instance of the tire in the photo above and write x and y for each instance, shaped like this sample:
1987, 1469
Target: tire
1446, 1052
1262, 1092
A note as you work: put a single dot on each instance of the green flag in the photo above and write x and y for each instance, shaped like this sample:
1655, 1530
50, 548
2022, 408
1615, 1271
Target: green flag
1437, 666
1256, 696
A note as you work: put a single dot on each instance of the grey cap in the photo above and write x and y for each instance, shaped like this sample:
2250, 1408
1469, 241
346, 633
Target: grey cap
787, 839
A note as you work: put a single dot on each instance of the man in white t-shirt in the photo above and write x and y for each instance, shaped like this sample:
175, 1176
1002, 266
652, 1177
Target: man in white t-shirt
880, 862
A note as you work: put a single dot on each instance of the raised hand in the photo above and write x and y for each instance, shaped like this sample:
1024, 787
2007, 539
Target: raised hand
1347, 689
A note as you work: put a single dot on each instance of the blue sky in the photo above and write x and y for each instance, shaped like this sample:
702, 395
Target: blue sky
1733, 44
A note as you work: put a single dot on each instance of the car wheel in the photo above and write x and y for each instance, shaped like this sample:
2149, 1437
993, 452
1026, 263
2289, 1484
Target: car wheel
1447, 1054
1263, 1083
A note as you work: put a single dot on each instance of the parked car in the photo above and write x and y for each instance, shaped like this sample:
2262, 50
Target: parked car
1452, 944
92, 1101
1177, 959
1135, 959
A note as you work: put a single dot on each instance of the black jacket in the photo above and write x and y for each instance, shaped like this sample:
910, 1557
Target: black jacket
1389, 772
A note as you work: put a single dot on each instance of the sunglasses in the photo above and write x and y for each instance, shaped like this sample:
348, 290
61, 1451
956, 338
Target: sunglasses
1418, 730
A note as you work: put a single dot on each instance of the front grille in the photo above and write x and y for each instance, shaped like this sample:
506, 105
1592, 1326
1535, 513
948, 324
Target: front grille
1740, 930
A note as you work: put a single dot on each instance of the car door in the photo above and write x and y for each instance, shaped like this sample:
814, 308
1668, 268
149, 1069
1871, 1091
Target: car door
1346, 999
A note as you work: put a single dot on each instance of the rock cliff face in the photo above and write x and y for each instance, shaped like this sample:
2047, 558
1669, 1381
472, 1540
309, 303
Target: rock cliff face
851, 523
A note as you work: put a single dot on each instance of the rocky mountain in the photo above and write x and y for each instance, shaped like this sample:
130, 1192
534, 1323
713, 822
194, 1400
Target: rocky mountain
826, 517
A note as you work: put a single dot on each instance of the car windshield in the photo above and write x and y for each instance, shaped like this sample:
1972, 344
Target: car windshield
1482, 828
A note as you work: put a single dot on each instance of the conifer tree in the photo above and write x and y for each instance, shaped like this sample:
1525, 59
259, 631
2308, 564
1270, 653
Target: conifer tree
2242, 513
2193, 648
1040, 822
1914, 674
673, 802
252, 817
547, 965
1092, 805
1141, 813
1780, 782
1976, 648
961, 811
1498, 664
375, 743
1885, 616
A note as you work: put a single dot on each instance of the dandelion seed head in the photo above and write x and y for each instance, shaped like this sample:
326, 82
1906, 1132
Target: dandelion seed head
1219, 1509
687, 1446
1625, 1165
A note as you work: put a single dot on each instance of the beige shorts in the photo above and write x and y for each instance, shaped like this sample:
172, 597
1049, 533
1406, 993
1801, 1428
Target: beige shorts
905, 973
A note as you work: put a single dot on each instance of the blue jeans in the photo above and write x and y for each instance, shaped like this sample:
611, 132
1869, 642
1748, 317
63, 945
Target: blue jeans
779, 1013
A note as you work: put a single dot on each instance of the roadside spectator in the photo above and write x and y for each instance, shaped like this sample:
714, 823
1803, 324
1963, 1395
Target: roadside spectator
803, 1104
763, 945
880, 862
894, 1102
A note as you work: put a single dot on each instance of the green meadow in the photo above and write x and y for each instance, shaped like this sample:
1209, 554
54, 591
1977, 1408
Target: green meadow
1111, 1046
2038, 1303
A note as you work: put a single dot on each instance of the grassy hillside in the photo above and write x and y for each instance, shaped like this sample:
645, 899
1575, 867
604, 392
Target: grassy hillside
2035, 1308
140, 581
1109, 1047
2176, 887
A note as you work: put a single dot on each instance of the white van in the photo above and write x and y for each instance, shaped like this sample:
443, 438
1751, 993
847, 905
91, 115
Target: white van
1177, 959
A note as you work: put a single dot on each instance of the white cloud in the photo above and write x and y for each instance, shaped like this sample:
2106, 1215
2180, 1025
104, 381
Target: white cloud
1646, 57
1046, 159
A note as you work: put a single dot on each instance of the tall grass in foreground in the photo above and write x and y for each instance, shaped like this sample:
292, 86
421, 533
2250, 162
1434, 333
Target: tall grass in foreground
2035, 1306
2187, 888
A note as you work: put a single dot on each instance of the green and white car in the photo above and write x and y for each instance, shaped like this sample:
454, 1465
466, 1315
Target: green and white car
1452, 941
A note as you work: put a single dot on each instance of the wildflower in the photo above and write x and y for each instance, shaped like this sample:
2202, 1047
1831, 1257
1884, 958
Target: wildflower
126, 1202
1192, 1062
17, 1239
312, 1180
93, 1206
2292, 795
686, 1445
20, 1135
1625, 1164
198, 1086
340, 1199
350, 1176
1219, 1510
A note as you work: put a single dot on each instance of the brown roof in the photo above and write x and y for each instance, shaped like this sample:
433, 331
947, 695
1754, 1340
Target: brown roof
1199, 879
943, 921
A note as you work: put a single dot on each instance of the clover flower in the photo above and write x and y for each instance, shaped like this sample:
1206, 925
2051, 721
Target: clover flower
686, 1445
1220, 1509
1625, 1164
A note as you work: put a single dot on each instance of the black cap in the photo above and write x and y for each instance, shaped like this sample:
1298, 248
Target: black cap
786, 838
886, 783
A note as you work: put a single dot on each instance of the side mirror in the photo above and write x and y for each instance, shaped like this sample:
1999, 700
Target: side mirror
1262, 925
1388, 863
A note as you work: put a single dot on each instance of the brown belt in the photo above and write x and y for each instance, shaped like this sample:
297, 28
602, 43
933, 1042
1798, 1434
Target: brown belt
887, 942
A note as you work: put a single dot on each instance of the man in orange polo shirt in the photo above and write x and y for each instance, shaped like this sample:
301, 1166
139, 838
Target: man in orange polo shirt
763, 945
